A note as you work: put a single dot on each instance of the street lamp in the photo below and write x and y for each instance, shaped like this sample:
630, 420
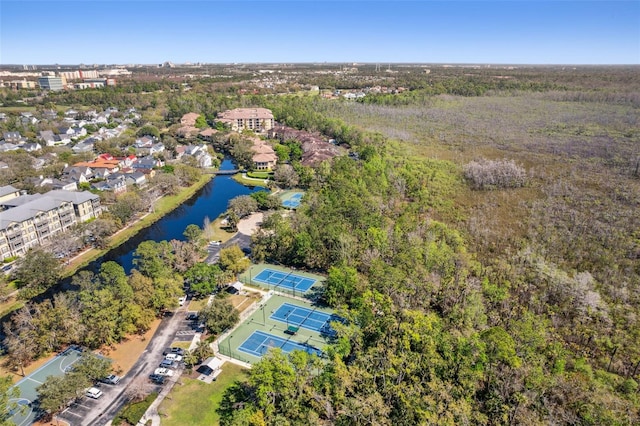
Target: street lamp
264, 321
229, 341
286, 317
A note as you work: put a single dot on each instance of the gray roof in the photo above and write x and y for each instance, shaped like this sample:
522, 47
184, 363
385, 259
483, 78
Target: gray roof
73, 196
28, 210
8, 189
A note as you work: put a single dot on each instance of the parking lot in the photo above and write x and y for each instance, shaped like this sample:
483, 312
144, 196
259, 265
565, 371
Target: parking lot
187, 328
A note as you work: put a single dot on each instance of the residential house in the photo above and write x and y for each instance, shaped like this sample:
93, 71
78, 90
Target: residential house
116, 184
200, 153
66, 131
127, 161
64, 184
180, 150
101, 119
31, 147
187, 131
79, 174
8, 192
49, 114
147, 163
156, 148
13, 137
189, 119
102, 166
256, 119
48, 137
207, 134
62, 139
144, 142
84, 146
136, 178
40, 181
27, 118
5, 147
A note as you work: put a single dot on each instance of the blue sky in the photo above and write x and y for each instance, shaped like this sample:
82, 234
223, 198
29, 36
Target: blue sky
149, 32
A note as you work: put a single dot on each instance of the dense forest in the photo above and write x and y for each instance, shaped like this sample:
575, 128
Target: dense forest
467, 303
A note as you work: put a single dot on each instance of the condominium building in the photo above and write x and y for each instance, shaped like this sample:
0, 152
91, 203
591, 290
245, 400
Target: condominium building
256, 119
32, 220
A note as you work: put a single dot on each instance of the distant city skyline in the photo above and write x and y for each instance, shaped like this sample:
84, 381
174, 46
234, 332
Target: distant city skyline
456, 32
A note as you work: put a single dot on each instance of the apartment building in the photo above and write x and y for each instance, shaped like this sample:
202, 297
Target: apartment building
256, 119
31, 220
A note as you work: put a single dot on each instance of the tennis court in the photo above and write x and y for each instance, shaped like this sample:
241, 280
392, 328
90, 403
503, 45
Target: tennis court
280, 279
293, 200
259, 343
54, 367
305, 318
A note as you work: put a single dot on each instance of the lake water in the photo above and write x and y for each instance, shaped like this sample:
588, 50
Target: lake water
210, 201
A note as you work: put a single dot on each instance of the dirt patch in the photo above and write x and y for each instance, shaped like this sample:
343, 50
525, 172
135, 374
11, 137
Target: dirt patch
250, 224
127, 352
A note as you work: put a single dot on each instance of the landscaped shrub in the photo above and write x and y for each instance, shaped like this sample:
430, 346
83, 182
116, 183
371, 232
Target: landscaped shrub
132, 413
495, 174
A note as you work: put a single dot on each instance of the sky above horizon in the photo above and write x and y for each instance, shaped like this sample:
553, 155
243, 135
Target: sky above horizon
212, 31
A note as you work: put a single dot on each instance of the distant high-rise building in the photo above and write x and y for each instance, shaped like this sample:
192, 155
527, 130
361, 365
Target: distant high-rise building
48, 82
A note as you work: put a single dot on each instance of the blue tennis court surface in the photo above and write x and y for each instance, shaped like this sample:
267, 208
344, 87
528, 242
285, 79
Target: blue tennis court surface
293, 201
305, 318
259, 343
284, 280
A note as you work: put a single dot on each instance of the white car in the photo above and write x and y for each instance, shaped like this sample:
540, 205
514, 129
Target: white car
94, 393
181, 300
163, 372
215, 243
173, 357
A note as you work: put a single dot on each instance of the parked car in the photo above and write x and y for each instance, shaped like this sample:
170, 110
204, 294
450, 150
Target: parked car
163, 372
181, 300
156, 378
167, 363
7, 268
215, 243
193, 316
177, 351
94, 393
111, 379
173, 357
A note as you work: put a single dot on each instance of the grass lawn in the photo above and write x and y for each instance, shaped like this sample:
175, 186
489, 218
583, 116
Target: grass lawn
217, 233
259, 175
195, 402
244, 180
198, 304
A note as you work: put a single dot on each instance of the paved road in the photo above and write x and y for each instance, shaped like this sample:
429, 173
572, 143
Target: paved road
242, 240
102, 411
